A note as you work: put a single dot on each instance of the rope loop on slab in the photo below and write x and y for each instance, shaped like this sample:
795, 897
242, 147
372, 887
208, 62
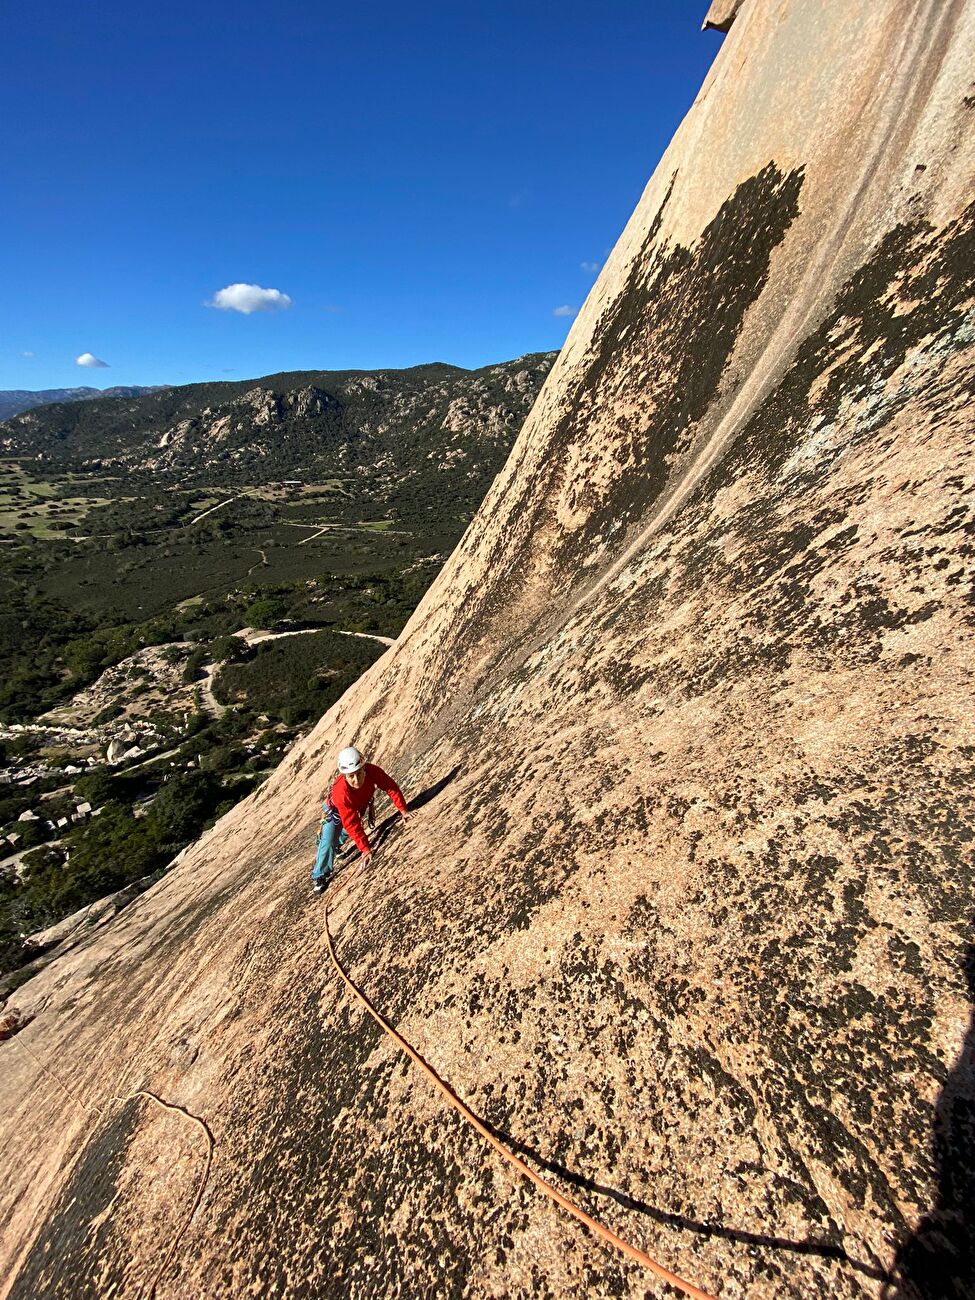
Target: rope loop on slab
148, 1289
553, 1193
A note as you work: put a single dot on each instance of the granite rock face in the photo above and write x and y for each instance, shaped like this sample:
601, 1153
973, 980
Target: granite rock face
685, 909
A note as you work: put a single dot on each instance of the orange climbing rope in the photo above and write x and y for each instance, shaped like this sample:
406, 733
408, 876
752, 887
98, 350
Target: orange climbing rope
453, 1100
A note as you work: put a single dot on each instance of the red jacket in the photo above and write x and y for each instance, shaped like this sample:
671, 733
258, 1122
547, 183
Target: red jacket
350, 804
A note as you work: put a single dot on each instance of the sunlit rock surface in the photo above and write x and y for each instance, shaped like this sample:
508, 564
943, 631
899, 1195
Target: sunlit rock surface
685, 912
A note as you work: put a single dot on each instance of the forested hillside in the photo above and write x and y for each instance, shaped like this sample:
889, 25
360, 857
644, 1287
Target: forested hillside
192, 577
417, 423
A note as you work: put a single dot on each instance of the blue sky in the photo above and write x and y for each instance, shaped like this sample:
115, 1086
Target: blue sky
424, 182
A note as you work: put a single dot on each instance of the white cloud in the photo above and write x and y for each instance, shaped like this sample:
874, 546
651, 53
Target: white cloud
246, 298
27, 354
589, 267
92, 362
564, 310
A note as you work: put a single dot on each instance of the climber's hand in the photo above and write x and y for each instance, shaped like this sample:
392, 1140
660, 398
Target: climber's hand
367, 858
406, 818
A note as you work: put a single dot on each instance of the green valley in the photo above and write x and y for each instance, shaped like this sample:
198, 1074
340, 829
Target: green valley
191, 577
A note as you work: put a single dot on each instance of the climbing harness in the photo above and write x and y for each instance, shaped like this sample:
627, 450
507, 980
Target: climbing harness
454, 1101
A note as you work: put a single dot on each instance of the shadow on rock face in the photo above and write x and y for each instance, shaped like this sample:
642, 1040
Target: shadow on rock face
430, 793
823, 1248
938, 1261
120, 1209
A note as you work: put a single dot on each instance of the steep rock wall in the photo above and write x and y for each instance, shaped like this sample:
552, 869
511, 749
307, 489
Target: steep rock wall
685, 909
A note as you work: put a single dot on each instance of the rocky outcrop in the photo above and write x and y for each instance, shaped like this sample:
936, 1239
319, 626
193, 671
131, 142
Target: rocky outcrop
12, 1022
721, 15
286, 427
685, 908
310, 401
151, 677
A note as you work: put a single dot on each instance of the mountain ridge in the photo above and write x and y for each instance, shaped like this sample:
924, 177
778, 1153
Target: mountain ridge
310, 413
13, 401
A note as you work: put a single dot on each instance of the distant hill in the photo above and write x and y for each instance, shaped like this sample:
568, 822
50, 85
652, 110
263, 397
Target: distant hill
15, 400
432, 423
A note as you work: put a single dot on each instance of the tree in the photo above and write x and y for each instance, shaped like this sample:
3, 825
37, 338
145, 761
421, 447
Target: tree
193, 665
97, 787
33, 833
229, 649
108, 714
224, 758
182, 806
84, 656
111, 851
265, 613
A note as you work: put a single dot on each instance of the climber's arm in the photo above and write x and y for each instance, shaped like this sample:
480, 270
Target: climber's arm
386, 783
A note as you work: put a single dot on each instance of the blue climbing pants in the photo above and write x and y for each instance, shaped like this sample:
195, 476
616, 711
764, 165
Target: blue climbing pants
330, 840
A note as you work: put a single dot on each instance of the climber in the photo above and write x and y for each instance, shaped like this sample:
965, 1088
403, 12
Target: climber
350, 796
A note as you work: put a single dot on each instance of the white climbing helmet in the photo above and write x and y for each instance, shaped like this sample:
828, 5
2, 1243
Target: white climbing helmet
350, 760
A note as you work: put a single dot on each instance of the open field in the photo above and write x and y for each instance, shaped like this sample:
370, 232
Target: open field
141, 554
40, 507
146, 564
42, 503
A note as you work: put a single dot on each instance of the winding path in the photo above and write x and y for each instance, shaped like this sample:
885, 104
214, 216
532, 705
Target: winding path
220, 504
371, 636
256, 638
210, 701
